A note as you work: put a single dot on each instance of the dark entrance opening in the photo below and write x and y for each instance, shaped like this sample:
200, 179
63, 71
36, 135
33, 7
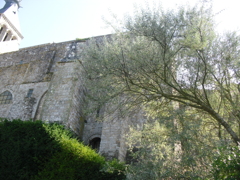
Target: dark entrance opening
95, 143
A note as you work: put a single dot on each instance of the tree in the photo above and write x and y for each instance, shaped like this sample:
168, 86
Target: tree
169, 56
157, 159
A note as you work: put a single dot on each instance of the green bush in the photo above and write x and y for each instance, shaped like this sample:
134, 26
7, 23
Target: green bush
226, 164
25, 147
38, 151
75, 161
113, 170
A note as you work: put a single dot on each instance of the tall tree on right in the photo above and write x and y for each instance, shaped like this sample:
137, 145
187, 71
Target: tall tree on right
171, 56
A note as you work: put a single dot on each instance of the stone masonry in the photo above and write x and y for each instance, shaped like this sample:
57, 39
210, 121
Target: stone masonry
45, 83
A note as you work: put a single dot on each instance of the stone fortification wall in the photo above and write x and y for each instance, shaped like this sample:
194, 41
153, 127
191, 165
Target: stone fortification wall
52, 72
46, 83
114, 130
92, 129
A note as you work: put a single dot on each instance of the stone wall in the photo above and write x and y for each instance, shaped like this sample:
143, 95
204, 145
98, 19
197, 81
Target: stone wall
115, 128
51, 70
54, 75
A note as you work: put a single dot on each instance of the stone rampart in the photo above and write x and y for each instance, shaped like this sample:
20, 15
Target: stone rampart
45, 82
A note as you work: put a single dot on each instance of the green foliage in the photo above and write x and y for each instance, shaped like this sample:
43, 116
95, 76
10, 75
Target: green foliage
114, 170
172, 147
174, 68
180, 144
75, 161
168, 54
25, 147
38, 151
226, 164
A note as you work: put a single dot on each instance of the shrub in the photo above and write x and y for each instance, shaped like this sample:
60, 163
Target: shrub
74, 161
227, 163
25, 147
39, 151
113, 170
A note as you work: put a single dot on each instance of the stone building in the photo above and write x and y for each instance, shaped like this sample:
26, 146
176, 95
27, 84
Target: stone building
10, 35
44, 82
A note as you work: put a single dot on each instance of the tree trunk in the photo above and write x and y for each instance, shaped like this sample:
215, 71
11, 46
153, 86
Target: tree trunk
216, 116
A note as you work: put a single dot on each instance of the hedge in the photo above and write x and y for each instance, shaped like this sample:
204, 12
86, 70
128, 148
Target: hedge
39, 151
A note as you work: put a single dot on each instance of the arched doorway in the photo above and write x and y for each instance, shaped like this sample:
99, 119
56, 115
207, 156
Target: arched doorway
95, 143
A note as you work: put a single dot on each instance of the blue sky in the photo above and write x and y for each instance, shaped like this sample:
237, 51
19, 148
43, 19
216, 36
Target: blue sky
47, 21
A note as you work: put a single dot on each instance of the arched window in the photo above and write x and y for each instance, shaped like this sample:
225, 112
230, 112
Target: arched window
95, 143
6, 97
39, 110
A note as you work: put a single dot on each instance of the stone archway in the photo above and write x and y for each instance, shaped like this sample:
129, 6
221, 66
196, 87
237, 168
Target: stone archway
95, 143
40, 107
